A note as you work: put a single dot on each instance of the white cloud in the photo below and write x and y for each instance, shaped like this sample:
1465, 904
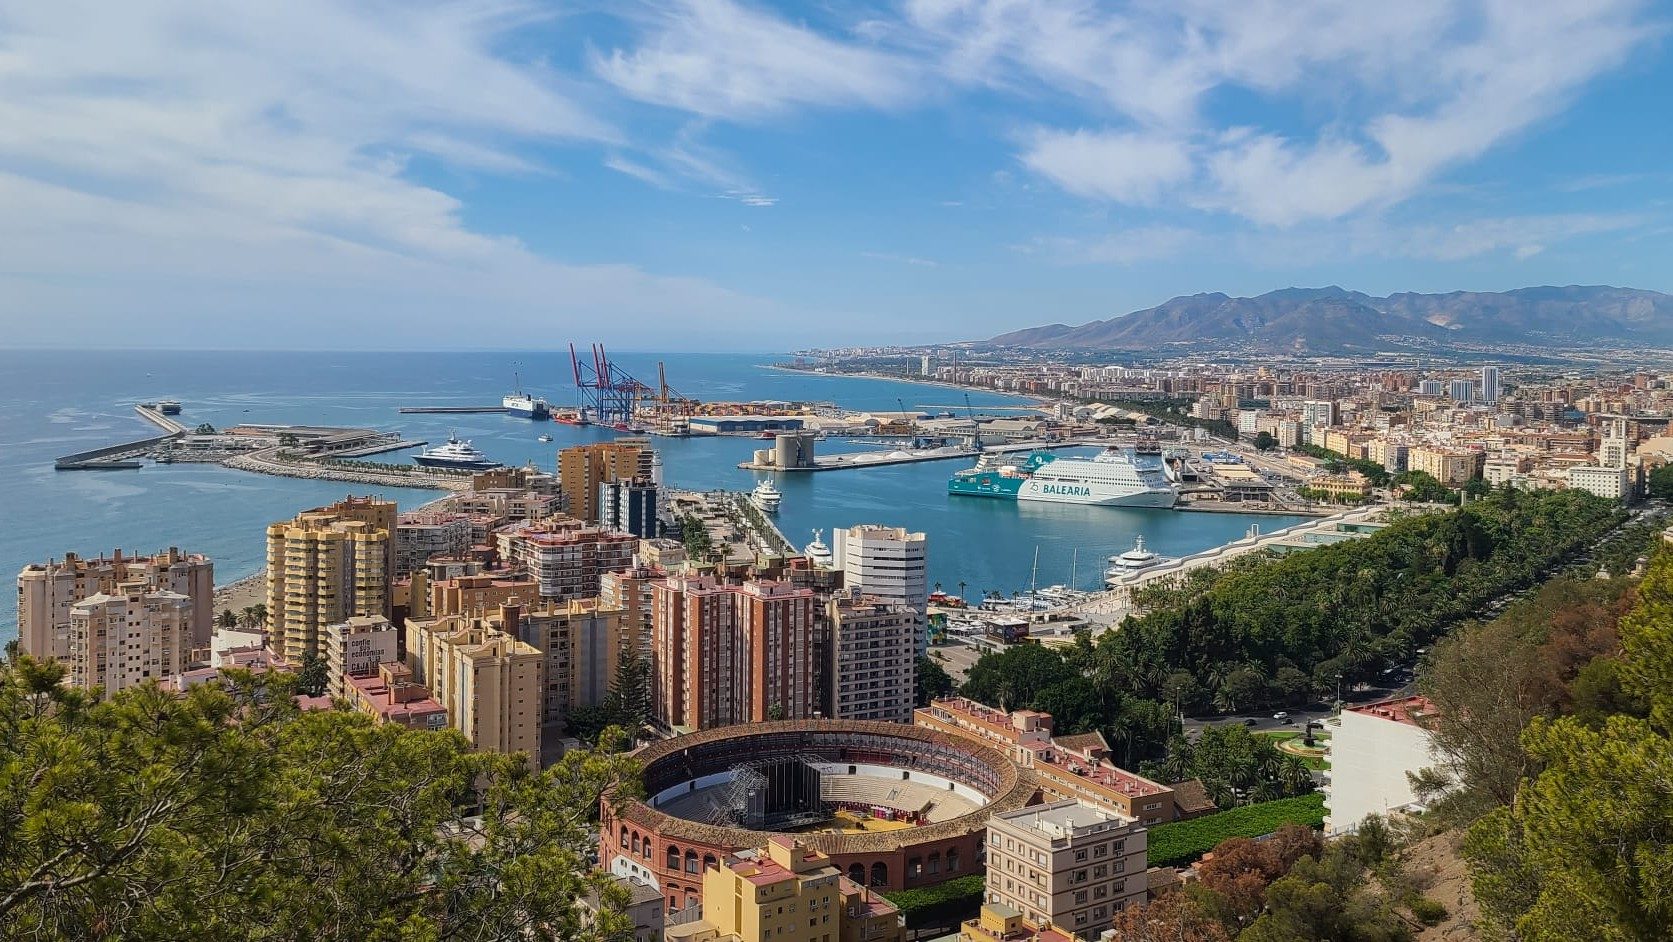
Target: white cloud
1408, 90
1125, 167
243, 168
719, 58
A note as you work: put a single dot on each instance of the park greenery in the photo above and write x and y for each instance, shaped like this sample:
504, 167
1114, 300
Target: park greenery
225, 813
1266, 631
943, 903
1180, 842
1234, 765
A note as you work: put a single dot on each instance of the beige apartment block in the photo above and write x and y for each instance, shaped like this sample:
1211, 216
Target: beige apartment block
132, 636
325, 566
582, 468
46, 593
488, 681
873, 659
1068, 863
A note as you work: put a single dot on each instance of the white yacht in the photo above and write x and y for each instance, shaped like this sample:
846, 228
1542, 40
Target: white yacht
766, 497
455, 454
1132, 562
817, 552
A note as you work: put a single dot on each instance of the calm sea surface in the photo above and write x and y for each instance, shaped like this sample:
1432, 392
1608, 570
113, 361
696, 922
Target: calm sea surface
60, 402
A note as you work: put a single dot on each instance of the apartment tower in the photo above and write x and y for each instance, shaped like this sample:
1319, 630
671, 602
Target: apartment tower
326, 566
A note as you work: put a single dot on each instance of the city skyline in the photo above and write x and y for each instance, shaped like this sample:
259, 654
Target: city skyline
313, 175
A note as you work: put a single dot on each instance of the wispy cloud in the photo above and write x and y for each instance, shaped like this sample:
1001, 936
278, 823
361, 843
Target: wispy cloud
901, 259
723, 59
250, 160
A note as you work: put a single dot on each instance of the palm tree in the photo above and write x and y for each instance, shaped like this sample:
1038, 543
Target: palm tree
247, 616
961, 586
227, 619
1295, 776
258, 611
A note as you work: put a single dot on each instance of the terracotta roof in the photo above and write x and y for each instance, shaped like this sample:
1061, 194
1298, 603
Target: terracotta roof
1192, 797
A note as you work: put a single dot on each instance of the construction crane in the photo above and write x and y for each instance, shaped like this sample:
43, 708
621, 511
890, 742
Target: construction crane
907, 417
610, 391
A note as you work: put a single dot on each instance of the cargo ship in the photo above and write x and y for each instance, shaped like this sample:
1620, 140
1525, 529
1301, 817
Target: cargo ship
523, 405
1119, 477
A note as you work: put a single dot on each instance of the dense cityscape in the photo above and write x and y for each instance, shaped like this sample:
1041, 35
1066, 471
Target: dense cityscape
860, 471
821, 722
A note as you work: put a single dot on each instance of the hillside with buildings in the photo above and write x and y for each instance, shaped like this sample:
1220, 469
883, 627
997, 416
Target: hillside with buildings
1336, 320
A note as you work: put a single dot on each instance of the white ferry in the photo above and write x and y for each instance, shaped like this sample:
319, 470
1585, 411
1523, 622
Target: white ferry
1119, 477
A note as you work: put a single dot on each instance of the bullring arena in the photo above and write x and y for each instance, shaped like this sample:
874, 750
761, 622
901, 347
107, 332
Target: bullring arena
893, 806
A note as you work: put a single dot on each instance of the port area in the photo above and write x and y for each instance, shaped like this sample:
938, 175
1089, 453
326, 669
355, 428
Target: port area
298, 451
874, 459
724, 528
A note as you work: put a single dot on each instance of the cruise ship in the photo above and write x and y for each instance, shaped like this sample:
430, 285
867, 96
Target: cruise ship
455, 454
1119, 477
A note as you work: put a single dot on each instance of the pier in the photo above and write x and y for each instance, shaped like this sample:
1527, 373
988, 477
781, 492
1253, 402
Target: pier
124, 456
874, 459
452, 410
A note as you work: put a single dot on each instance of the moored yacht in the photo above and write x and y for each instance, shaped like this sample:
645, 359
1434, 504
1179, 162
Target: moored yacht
1132, 562
457, 454
766, 497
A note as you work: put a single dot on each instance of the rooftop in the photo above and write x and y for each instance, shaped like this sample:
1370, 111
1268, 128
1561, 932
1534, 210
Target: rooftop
1063, 819
1408, 710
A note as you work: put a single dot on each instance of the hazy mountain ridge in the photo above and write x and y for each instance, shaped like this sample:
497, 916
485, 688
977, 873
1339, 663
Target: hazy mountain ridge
1333, 319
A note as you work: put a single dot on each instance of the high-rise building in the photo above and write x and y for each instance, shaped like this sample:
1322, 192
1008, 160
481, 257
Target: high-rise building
121, 639
480, 595
1320, 413
1069, 863
725, 654
787, 893
630, 592
775, 628
887, 563
46, 592
582, 468
355, 647
583, 641
1489, 384
1461, 390
873, 659
488, 681
1430, 387
565, 556
326, 566
629, 507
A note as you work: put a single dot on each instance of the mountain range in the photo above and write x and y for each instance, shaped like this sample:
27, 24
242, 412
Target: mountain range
1335, 320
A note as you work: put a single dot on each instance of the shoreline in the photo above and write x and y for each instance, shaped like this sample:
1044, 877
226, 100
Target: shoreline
1038, 401
242, 592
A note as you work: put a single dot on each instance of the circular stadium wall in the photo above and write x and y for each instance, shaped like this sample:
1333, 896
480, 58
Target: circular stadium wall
893, 806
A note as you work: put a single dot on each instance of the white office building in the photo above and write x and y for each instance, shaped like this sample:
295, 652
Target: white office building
889, 564
1372, 748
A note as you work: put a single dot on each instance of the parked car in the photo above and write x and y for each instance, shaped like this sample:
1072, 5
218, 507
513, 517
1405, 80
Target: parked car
1281, 715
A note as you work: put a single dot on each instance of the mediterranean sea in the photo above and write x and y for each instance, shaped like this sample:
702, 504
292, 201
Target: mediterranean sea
59, 402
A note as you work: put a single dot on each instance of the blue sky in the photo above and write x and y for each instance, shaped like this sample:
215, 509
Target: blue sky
712, 174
